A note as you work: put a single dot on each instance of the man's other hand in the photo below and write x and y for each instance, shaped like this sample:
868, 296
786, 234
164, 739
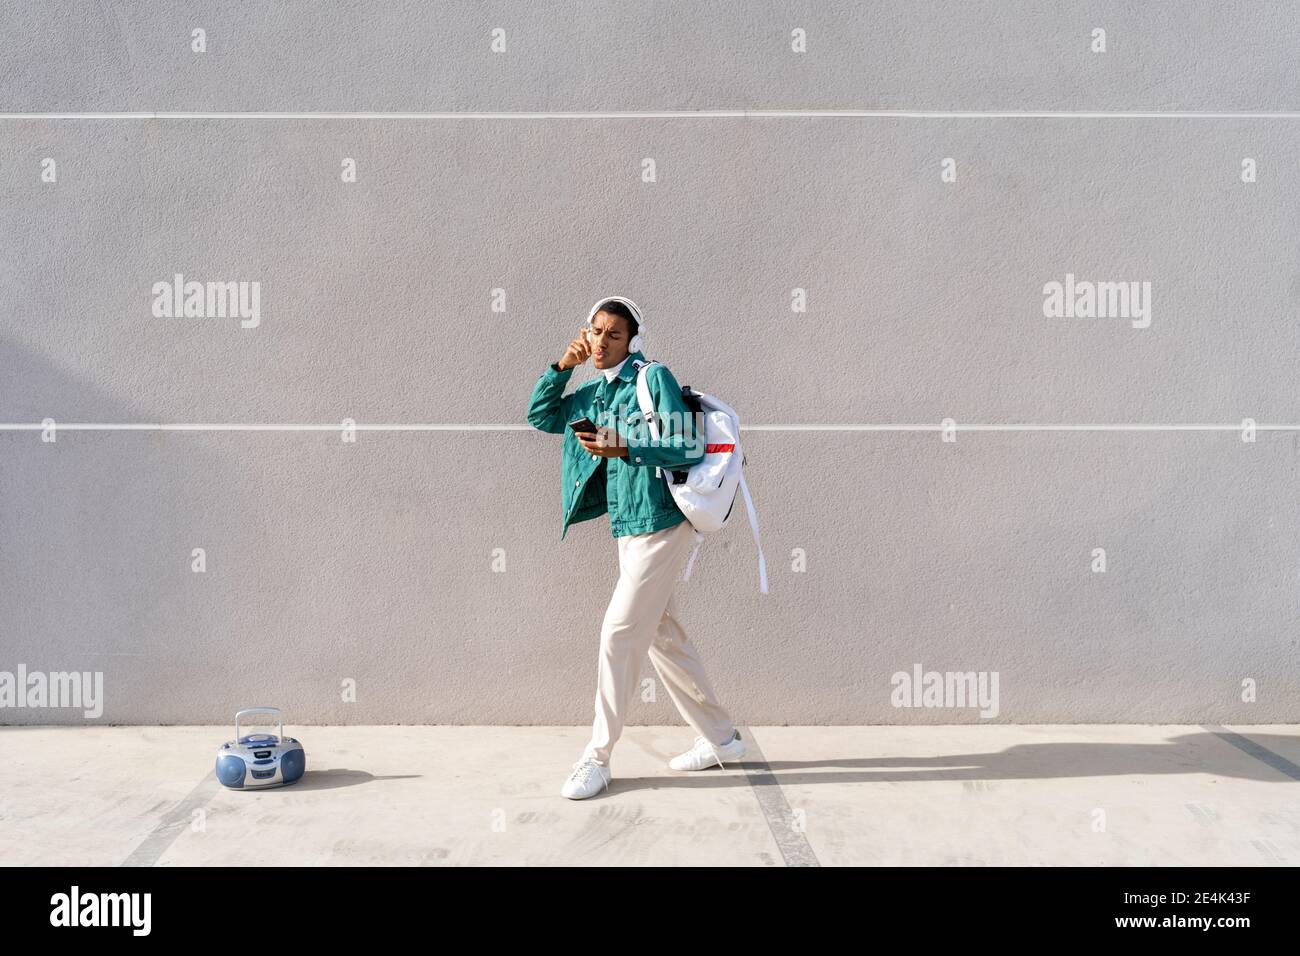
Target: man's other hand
605, 442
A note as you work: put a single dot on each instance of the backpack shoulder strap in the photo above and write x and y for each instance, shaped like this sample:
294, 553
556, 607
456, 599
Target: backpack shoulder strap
753, 526
646, 402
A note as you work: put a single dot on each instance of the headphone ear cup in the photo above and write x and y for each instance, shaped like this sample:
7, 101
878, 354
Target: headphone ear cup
635, 344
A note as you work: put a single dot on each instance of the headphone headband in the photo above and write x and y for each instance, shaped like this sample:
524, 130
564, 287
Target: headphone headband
632, 307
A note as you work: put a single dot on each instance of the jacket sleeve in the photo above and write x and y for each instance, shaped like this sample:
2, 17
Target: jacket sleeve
680, 445
548, 409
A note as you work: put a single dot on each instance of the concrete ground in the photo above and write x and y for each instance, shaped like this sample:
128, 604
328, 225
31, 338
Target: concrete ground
1095, 795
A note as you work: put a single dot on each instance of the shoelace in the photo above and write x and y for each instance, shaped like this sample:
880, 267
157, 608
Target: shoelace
583, 770
703, 744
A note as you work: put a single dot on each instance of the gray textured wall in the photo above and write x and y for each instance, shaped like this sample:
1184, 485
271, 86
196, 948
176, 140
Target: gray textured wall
372, 561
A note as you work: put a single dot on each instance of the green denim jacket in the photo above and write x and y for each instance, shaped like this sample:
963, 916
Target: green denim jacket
627, 488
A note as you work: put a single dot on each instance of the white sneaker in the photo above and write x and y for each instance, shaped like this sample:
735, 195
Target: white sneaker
706, 753
587, 779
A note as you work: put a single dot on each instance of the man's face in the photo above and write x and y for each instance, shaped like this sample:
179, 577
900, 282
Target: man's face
609, 338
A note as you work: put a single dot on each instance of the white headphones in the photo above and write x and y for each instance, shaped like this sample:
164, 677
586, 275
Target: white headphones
635, 344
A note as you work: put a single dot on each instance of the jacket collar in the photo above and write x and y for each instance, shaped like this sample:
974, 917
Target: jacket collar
628, 372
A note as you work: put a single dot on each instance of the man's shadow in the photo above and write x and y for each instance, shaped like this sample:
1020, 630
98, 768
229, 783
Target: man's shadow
1226, 754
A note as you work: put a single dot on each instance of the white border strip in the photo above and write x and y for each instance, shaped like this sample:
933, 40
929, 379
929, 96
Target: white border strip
663, 114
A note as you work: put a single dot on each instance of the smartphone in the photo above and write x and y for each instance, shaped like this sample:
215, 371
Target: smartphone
583, 424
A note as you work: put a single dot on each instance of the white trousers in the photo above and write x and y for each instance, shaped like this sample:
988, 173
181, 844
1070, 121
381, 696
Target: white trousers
641, 617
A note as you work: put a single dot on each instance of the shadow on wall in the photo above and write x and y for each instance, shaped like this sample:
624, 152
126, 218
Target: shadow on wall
97, 532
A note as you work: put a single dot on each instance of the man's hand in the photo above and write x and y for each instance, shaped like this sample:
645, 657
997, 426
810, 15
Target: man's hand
579, 351
606, 442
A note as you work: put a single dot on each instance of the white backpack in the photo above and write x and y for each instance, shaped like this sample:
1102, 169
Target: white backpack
707, 492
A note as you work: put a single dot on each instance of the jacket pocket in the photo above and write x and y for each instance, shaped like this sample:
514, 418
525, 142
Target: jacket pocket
659, 493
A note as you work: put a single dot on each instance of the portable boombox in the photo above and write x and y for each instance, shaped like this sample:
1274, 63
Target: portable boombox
258, 761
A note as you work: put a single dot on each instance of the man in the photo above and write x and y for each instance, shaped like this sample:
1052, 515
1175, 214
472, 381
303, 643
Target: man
613, 470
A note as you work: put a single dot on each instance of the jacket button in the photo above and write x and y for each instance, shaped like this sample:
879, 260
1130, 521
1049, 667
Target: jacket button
594, 457
638, 461
576, 482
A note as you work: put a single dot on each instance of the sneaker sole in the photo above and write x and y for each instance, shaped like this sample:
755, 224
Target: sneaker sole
587, 796
709, 766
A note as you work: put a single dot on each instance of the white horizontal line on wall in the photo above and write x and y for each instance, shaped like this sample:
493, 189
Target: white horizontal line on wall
665, 114
924, 427
253, 427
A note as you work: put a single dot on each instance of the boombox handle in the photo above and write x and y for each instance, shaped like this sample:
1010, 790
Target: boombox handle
260, 710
